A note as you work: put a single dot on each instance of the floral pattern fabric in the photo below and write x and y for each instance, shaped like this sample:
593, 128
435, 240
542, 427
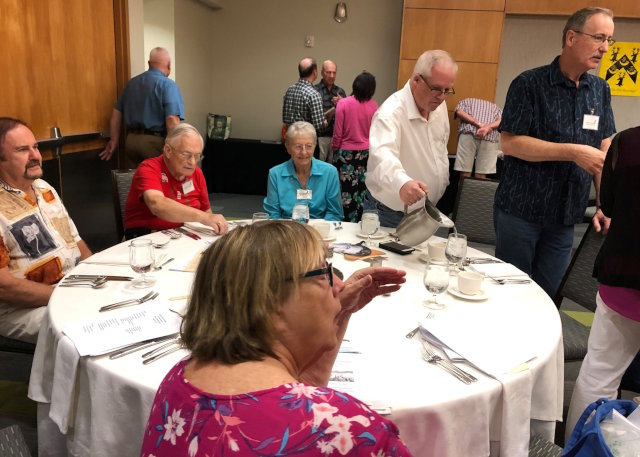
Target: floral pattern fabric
352, 166
291, 419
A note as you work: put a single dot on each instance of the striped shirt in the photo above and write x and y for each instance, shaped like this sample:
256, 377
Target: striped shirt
482, 111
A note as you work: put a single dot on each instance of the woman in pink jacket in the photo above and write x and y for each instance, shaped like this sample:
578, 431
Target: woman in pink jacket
350, 143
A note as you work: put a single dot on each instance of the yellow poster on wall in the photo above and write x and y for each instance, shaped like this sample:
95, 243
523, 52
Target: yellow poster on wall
619, 67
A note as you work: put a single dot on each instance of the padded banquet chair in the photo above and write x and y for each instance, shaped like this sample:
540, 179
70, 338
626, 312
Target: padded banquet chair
473, 211
539, 447
581, 287
12, 442
120, 182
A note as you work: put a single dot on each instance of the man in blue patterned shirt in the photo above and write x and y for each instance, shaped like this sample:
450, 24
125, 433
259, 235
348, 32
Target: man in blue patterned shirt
301, 101
556, 128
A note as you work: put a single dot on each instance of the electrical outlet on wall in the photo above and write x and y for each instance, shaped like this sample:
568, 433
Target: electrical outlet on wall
309, 41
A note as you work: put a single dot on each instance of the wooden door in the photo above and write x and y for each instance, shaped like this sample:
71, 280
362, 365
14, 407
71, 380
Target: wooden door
60, 66
64, 63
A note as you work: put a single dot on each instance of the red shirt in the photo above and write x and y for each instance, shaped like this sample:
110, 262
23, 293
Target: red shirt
152, 174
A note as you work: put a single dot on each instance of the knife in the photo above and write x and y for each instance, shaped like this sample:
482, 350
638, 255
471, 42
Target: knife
108, 277
139, 346
188, 233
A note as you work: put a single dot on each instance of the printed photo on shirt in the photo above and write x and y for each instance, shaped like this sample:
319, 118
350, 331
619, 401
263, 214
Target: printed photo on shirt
32, 237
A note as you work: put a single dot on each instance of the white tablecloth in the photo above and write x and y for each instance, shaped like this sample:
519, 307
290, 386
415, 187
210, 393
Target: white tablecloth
101, 406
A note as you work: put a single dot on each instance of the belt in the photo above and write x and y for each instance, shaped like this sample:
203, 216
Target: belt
146, 132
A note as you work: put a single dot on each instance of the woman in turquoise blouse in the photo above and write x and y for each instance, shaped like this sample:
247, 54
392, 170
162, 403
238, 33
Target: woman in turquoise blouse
303, 179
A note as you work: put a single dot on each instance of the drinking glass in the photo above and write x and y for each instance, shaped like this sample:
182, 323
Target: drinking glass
259, 217
456, 250
141, 259
300, 213
370, 223
436, 281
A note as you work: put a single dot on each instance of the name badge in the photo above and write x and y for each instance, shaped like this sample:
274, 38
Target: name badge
590, 122
187, 186
303, 194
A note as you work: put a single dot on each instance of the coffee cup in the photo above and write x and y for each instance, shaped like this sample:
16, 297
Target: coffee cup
436, 249
323, 228
470, 282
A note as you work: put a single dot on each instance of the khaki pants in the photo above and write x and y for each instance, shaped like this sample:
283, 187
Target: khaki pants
326, 154
139, 147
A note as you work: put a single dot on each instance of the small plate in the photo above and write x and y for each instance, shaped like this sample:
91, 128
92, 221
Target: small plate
480, 295
376, 236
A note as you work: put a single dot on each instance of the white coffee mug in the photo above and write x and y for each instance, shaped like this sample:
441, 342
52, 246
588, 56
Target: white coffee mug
470, 282
436, 248
323, 228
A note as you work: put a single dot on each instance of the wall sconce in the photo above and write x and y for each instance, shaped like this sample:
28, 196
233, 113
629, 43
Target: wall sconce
341, 12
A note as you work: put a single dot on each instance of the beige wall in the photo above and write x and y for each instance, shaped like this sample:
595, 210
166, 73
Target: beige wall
239, 60
529, 42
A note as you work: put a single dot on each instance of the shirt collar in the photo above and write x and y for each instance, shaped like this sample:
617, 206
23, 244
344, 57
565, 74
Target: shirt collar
410, 103
556, 77
291, 171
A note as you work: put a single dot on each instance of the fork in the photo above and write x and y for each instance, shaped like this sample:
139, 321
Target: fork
172, 234
412, 333
431, 357
134, 301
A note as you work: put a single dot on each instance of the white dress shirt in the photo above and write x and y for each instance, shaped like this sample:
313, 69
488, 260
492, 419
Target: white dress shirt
404, 146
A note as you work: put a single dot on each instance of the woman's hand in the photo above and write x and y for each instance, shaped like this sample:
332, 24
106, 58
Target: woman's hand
366, 284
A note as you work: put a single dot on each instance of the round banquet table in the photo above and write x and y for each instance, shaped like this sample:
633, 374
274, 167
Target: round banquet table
95, 406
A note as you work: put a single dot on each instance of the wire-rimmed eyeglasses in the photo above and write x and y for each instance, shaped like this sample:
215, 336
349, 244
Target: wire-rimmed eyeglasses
436, 91
598, 38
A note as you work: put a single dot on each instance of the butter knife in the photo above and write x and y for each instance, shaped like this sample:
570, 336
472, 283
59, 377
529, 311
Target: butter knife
139, 346
188, 233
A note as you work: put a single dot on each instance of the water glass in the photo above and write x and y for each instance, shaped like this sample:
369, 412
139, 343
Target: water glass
259, 217
456, 250
370, 223
436, 281
300, 213
141, 260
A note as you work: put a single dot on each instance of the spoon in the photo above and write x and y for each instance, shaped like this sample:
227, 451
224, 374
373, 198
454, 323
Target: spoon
160, 244
95, 284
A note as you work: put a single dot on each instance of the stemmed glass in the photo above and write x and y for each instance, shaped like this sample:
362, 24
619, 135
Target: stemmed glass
300, 213
456, 250
141, 259
436, 280
369, 223
259, 217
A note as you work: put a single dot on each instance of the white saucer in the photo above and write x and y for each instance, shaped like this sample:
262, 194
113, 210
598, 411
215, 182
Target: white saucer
331, 237
376, 236
480, 295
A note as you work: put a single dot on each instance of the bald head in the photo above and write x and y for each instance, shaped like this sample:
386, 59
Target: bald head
308, 69
159, 58
329, 71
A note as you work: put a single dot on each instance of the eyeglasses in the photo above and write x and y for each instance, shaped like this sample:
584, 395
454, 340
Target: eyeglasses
328, 270
436, 91
185, 155
303, 147
599, 38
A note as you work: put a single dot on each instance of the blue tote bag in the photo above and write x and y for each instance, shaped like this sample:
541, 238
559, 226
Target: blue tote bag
586, 440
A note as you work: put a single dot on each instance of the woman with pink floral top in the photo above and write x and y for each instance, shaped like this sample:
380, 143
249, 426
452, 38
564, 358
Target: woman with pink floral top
264, 325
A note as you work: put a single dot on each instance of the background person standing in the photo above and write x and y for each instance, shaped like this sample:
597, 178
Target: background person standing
150, 105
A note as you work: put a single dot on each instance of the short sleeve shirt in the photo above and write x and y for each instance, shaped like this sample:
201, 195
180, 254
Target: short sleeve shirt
484, 112
153, 174
148, 99
302, 103
327, 95
543, 103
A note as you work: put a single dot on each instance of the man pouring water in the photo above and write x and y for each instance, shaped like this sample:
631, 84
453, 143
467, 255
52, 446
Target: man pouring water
408, 141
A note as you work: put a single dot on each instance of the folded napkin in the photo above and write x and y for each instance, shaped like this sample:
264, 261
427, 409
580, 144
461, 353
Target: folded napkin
498, 270
200, 228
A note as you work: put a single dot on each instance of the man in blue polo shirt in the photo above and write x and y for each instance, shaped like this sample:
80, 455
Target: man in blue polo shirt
150, 105
556, 128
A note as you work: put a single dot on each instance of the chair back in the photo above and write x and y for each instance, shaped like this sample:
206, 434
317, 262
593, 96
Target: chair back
578, 283
12, 442
473, 209
121, 183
